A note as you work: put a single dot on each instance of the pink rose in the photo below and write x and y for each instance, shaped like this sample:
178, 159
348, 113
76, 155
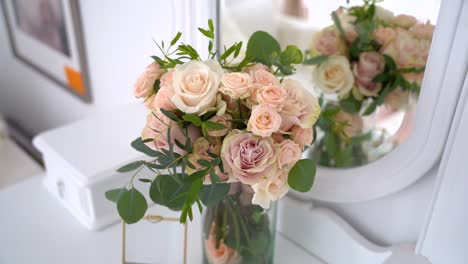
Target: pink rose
273, 96
302, 136
144, 85
236, 84
405, 21
270, 189
167, 79
163, 97
248, 158
383, 35
328, 42
407, 50
278, 137
370, 65
355, 123
222, 254
289, 154
149, 102
264, 121
300, 108
221, 120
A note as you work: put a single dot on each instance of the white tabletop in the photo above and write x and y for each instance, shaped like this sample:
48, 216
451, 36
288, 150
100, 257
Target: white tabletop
35, 228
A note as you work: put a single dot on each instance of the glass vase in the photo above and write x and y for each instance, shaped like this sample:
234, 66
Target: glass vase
236, 231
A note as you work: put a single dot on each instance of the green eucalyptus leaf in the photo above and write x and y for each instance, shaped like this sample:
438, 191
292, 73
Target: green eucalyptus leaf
132, 206
301, 176
130, 167
169, 191
291, 55
214, 126
138, 145
195, 176
315, 60
194, 119
214, 193
262, 47
115, 194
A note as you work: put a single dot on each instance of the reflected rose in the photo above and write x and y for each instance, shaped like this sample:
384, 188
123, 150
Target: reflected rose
355, 123
222, 254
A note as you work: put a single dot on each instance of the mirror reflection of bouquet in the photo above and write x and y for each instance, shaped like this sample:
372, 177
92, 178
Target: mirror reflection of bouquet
368, 60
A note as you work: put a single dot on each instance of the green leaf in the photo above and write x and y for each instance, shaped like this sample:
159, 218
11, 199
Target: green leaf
351, 105
214, 177
138, 145
130, 167
301, 176
169, 191
214, 193
207, 33
214, 126
156, 86
381, 78
262, 47
291, 55
132, 206
210, 25
115, 194
315, 60
170, 115
390, 63
330, 112
338, 25
194, 119
195, 176
228, 52
204, 163
145, 180
176, 38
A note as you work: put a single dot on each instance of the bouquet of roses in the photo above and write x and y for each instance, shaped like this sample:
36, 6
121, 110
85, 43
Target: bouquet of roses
367, 58
213, 123
368, 54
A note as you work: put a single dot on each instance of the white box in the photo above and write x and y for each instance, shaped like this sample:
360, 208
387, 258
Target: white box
81, 159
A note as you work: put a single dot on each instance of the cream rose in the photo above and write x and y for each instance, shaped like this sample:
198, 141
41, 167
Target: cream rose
264, 121
271, 189
405, 21
195, 86
273, 96
236, 84
334, 75
144, 85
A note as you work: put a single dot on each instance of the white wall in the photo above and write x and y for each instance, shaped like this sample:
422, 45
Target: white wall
119, 40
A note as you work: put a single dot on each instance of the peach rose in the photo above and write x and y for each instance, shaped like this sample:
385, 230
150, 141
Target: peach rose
255, 67
370, 65
157, 128
143, 87
195, 86
300, 107
407, 50
423, 31
264, 121
221, 120
289, 154
355, 123
384, 35
149, 102
222, 254
270, 189
302, 136
163, 97
273, 96
236, 84
248, 158
334, 75
405, 21
263, 77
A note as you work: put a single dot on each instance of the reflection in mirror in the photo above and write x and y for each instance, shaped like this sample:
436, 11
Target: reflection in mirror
364, 59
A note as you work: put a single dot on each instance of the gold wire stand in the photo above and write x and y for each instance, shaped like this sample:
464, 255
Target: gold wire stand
154, 219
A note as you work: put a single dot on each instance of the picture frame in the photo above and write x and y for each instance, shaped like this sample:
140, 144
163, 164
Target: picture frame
46, 35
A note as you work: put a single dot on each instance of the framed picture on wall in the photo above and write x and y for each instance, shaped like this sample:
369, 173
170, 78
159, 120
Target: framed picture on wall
46, 35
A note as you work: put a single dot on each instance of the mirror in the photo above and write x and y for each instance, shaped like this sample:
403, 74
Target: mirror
366, 64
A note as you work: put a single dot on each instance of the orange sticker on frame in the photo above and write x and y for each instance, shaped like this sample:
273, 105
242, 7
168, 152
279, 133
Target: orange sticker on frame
75, 81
